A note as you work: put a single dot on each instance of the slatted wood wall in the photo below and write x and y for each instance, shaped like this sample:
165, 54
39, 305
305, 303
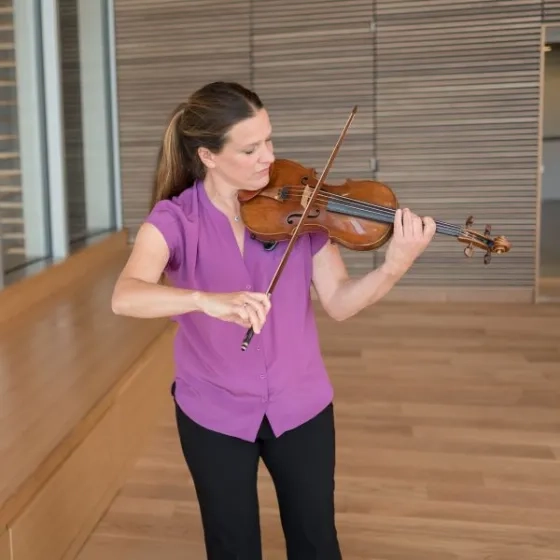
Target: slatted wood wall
458, 127
310, 66
551, 11
11, 207
447, 94
165, 51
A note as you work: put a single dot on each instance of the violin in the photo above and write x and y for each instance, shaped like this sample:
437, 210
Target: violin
357, 214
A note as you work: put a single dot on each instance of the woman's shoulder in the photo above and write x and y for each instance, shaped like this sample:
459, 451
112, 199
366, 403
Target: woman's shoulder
177, 211
176, 220
181, 204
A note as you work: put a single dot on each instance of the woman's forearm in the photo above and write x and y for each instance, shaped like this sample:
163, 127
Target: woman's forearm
355, 294
411, 236
135, 298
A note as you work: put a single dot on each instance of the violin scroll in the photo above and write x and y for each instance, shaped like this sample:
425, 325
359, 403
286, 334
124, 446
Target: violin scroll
498, 245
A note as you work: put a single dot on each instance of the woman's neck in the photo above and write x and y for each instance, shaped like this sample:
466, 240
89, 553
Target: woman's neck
223, 196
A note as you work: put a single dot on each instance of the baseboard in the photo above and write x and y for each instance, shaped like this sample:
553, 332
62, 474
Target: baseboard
436, 294
461, 294
56, 523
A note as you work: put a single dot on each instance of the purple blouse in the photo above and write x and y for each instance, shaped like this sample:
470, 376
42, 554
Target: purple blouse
282, 373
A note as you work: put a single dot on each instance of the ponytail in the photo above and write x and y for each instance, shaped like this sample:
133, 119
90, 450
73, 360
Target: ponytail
175, 166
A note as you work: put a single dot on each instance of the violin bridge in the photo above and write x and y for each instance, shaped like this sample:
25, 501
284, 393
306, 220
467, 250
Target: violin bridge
307, 192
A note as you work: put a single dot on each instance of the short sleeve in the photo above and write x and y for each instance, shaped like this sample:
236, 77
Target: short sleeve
318, 240
166, 217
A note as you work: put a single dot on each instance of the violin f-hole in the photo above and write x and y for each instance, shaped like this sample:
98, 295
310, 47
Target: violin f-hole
314, 213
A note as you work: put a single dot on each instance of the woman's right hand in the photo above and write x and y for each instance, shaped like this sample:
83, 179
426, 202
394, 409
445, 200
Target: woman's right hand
248, 309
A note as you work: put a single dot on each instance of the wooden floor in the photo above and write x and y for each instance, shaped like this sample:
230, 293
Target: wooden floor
448, 420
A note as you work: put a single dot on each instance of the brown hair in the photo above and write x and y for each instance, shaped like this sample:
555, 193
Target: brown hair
202, 121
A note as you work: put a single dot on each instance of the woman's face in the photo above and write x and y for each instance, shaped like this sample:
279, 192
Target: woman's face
245, 160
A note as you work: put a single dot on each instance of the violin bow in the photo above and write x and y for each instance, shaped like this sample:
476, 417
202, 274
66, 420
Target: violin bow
275, 278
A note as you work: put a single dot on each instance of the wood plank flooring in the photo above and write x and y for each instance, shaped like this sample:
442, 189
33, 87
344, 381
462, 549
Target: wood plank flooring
448, 426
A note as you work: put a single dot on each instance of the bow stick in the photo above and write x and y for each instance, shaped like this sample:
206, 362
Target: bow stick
293, 239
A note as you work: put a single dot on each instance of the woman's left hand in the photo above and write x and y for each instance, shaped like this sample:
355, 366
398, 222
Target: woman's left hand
411, 236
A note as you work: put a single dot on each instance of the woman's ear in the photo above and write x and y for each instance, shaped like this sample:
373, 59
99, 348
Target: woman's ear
207, 157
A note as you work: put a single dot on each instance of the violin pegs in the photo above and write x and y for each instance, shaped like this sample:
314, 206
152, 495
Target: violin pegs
469, 222
469, 250
488, 230
487, 257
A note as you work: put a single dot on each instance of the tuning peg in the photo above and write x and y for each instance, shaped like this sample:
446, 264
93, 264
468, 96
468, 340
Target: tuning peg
469, 250
488, 255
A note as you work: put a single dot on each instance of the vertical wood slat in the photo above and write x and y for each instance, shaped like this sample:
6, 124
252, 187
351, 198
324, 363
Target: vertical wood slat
551, 11
458, 117
312, 62
11, 205
164, 52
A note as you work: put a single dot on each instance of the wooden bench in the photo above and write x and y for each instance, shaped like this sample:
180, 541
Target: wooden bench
79, 390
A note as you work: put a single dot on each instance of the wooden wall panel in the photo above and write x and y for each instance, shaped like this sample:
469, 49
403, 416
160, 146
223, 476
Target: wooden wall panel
458, 125
551, 11
11, 206
447, 93
165, 50
312, 62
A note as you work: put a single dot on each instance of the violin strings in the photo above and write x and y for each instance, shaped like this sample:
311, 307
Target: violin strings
383, 212
367, 206
369, 214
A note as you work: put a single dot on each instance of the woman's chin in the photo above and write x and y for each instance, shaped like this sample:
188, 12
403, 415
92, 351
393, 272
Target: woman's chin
258, 182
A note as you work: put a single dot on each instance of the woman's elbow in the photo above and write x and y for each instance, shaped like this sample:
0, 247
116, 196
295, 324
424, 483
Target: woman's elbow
340, 315
337, 312
119, 300
117, 304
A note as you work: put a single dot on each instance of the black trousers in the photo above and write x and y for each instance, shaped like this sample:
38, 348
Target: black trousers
301, 463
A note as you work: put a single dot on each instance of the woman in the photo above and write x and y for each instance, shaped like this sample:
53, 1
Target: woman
273, 401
